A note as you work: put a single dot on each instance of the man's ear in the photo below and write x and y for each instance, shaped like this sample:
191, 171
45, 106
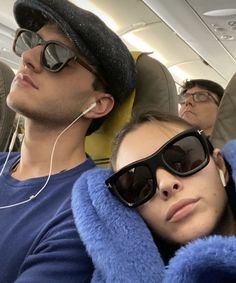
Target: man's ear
220, 163
104, 104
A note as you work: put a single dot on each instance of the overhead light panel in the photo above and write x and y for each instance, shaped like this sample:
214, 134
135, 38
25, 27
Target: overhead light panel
220, 13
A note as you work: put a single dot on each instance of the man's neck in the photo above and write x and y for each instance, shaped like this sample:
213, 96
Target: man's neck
41, 149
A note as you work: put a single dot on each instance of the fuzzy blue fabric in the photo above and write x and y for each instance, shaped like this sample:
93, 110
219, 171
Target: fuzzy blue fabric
212, 259
116, 237
121, 246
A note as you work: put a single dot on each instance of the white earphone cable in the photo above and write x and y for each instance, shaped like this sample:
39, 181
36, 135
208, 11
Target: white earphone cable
51, 158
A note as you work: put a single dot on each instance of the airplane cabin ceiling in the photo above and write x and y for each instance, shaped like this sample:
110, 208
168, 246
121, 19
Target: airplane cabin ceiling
207, 26
176, 29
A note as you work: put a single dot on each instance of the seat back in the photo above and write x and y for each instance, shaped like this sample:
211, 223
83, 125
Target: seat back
225, 125
155, 89
7, 116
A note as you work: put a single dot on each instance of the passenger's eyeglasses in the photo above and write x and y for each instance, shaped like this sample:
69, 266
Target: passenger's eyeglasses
201, 96
54, 55
183, 155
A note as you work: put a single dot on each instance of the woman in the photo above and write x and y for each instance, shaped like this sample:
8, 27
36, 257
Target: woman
170, 175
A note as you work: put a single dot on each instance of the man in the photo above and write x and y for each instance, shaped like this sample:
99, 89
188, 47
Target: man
73, 70
199, 101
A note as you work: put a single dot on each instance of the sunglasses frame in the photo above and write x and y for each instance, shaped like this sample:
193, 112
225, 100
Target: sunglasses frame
194, 97
152, 160
45, 44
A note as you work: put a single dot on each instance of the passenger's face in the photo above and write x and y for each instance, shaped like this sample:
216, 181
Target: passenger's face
183, 208
202, 114
54, 97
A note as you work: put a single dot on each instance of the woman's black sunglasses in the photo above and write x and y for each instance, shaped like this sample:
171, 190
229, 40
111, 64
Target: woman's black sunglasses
183, 155
54, 55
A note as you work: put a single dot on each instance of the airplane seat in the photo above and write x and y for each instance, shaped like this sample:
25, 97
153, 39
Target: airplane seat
155, 89
225, 125
7, 116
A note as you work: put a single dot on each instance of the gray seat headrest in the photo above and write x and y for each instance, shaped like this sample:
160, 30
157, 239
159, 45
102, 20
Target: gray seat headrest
6, 114
225, 124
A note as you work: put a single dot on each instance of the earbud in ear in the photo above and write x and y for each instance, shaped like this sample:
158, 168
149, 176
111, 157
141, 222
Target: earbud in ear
89, 108
222, 177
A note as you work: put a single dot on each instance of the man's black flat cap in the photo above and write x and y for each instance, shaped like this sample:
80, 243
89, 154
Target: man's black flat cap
100, 46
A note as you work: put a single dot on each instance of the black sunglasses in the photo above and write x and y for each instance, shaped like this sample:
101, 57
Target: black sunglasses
183, 155
54, 55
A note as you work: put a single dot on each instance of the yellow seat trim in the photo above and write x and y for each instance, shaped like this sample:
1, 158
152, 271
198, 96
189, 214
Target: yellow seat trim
98, 145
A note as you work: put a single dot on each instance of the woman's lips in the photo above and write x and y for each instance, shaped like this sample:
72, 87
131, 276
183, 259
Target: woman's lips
181, 209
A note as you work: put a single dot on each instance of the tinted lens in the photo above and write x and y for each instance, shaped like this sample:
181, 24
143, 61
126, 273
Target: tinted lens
135, 185
55, 56
185, 156
24, 41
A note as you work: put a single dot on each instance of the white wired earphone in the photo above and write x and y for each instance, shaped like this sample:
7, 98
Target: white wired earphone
51, 156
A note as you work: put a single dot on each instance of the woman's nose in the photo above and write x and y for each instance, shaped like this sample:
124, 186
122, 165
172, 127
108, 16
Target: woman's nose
31, 59
168, 184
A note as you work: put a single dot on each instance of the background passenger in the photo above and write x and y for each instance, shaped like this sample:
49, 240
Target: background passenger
199, 101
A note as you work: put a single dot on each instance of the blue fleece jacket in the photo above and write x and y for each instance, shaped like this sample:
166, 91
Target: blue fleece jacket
122, 248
